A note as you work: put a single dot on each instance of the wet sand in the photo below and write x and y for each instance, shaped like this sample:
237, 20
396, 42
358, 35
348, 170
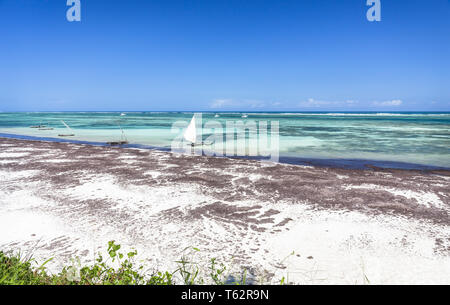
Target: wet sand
311, 225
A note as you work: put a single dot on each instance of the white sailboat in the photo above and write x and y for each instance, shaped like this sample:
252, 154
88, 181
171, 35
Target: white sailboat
245, 116
190, 134
68, 134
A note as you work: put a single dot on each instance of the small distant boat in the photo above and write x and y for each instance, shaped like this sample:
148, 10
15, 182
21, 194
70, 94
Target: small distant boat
245, 116
68, 134
123, 114
115, 143
190, 134
217, 116
123, 139
38, 126
44, 127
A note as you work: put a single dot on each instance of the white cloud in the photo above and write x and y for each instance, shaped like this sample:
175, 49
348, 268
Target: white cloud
312, 103
392, 103
227, 103
220, 103
254, 103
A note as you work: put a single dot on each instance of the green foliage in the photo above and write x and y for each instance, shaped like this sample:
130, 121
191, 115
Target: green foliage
188, 269
15, 270
117, 269
217, 273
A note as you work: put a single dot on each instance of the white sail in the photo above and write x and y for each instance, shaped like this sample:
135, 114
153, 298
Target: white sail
190, 134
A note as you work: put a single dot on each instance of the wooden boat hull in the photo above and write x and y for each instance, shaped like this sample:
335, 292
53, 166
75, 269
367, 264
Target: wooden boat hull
117, 142
201, 144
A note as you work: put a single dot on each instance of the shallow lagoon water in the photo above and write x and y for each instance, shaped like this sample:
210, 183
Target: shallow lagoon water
410, 138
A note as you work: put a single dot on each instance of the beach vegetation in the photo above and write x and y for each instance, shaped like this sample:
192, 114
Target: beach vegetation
117, 268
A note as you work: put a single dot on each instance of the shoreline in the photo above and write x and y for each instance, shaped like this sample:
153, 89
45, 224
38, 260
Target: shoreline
362, 164
64, 200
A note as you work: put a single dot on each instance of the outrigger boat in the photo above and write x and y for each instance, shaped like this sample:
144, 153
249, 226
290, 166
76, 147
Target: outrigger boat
38, 126
123, 139
44, 127
68, 134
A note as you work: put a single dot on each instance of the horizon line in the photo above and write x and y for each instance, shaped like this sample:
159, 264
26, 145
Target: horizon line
232, 111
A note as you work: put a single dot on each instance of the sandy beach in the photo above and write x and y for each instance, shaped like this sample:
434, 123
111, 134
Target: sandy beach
311, 225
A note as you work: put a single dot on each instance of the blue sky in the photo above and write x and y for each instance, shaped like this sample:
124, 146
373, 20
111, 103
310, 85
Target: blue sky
217, 55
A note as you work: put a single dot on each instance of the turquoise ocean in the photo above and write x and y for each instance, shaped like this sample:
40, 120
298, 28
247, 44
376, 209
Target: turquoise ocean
398, 140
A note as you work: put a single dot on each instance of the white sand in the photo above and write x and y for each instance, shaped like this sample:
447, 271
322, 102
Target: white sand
328, 246
427, 199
